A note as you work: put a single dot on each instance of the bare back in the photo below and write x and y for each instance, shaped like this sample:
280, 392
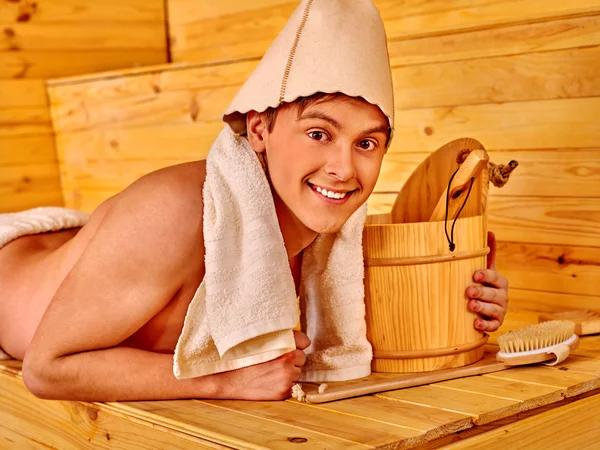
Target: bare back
32, 268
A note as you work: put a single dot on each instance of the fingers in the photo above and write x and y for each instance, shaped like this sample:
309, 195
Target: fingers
491, 277
302, 340
298, 358
489, 294
487, 310
486, 325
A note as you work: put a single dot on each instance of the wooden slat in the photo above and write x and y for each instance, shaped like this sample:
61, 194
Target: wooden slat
22, 93
86, 201
98, 88
82, 10
115, 146
482, 408
573, 382
541, 173
550, 268
568, 123
192, 29
82, 35
27, 150
237, 429
355, 428
510, 40
589, 346
12, 439
571, 426
546, 220
177, 107
532, 76
544, 301
433, 422
57, 63
23, 121
23, 187
71, 425
546, 268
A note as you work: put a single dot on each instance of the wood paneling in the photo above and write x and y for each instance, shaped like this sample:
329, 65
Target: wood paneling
530, 76
541, 172
70, 37
210, 31
499, 41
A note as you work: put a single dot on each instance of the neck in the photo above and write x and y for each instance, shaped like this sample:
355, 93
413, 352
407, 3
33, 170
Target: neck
296, 236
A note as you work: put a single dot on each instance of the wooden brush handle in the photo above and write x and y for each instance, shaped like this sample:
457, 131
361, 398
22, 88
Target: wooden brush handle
475, 163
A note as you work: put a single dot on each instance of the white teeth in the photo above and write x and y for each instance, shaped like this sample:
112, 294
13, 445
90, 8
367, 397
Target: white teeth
330, 194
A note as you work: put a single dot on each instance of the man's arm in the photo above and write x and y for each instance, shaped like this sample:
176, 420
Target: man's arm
130, 270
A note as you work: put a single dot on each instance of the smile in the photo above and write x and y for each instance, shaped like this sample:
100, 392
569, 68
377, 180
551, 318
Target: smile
330, 194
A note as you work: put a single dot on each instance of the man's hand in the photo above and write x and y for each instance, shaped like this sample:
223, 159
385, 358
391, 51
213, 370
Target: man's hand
271, 380
489, 301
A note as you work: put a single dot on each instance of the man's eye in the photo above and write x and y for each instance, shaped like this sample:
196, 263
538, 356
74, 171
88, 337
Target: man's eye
367, 145
317, 135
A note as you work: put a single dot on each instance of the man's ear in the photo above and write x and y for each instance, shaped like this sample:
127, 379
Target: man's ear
257, 131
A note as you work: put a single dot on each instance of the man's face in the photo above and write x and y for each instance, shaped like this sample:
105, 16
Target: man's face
324, 163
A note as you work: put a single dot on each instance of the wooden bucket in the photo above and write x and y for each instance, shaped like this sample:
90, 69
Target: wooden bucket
416, 307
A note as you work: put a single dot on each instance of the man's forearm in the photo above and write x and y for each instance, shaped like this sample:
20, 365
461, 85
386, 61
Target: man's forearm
116, 374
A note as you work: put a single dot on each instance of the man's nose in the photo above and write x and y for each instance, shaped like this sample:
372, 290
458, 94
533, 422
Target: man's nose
340, 163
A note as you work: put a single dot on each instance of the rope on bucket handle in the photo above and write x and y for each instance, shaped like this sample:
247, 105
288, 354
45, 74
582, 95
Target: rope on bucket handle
499, 175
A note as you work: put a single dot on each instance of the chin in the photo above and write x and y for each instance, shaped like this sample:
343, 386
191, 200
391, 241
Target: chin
323, 226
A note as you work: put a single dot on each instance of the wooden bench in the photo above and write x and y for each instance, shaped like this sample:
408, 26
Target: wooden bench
526, 407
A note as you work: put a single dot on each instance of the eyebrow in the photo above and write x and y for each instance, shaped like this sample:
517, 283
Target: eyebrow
385, 129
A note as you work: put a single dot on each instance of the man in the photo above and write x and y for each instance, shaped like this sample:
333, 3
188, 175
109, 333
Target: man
96, 312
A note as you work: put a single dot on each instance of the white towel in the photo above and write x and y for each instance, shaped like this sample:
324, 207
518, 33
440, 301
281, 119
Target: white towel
245, 308
36, 221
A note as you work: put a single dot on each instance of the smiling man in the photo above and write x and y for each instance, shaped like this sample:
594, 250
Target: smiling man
98, 312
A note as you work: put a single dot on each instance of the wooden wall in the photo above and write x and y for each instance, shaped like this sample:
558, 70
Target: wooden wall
521, 76
53, 38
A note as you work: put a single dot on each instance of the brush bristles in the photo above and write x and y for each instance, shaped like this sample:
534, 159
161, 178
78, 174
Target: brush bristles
534, 337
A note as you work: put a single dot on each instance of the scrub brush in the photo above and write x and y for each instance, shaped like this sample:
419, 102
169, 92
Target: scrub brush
547, 341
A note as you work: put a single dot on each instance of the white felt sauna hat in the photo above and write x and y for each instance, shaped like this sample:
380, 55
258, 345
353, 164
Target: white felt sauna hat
326, 46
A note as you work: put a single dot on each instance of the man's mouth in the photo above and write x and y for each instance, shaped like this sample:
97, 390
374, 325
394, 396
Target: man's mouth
331, 194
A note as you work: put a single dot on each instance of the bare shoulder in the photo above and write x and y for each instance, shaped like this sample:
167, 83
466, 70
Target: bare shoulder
159, 216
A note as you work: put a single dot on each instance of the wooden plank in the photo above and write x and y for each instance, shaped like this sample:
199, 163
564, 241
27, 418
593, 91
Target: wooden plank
531, 396
566, 123
82, 11
27, 150
550, 268
57, 63
115, 146
544, 301
82, 35
12, 439
355, 428
482, 408
218, 32
98, 88
78, 425
589, 346
571, 426
568, 33
177, 107
183, 11
433, 422
22, 93
581, 364
243, 428
23, 187
574, 383
532, 76
23, 121
546, 220
575, 172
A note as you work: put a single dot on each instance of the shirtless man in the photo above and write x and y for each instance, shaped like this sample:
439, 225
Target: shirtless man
95, 313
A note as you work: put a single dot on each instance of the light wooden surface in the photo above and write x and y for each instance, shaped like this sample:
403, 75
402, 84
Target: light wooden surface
466, 411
